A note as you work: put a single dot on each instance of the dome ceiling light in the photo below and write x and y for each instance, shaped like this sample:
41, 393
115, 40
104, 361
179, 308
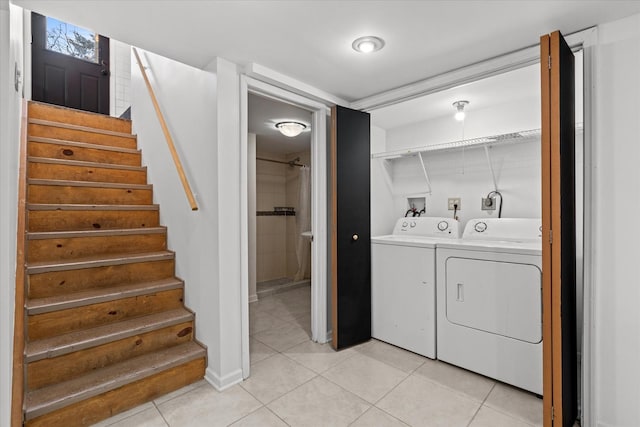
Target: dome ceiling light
460, 114
367, 44
290, 129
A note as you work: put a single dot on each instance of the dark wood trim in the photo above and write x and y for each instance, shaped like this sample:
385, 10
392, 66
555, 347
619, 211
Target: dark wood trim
547, 336
17, 390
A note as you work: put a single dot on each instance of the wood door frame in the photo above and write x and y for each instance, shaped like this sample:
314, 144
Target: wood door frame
319, 111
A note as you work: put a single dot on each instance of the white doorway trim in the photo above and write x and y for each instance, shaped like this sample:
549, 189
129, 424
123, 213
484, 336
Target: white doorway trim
318, 207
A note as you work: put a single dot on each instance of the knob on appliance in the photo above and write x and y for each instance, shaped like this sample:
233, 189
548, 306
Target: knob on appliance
480, 227
412, 224
405, 223
443, 225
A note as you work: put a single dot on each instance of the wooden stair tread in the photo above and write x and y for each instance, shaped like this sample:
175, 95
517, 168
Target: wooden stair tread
65, 183
85, 163
48, 399
47, 108
95, 233
88, 207
81, 128
98, 261
78, 144
79, 340
95, 296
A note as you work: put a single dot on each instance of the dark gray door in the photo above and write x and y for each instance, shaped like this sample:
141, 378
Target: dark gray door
351, 227
69, 65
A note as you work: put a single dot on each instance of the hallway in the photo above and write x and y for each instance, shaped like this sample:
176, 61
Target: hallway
300, 383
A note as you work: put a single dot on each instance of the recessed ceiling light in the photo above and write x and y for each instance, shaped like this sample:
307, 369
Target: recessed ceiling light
460, 114
367, 44
291, 129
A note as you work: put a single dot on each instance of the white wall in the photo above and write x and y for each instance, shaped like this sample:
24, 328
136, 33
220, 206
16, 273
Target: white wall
251, 216
465, 173
616, 267
11, 52
383, 214
120, 80
188, 99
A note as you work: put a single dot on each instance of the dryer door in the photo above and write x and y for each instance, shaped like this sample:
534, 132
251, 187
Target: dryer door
498, 297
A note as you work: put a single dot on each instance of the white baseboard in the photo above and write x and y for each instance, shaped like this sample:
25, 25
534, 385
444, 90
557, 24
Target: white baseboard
253, 298
223, 383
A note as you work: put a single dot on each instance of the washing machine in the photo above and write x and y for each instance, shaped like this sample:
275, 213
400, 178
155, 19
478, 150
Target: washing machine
489, 301
403, 282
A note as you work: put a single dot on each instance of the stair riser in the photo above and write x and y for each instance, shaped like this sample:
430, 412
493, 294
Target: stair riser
60, 322
65, 282
86, 173
88, 195
64, 115
81, 136
78, 247
69, 366
70, 152
106, 405
91, 220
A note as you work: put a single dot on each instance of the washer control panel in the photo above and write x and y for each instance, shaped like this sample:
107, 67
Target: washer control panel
504, 229
428, 226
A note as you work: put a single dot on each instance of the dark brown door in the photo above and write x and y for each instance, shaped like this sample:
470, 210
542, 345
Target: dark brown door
559, 232
69, 65
350, 227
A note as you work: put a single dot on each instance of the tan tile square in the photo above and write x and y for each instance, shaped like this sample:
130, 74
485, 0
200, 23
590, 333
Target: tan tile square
401, 359
366, 377
147, 418
487, 417
469, 383
319, 403
262, 321
374, 417
517, 403
317, 357
127, 414
208, 407
275, 376
283, 337
259, 351
419, 402
263, 417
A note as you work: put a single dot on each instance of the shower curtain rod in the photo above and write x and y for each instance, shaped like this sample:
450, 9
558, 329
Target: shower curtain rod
293, 162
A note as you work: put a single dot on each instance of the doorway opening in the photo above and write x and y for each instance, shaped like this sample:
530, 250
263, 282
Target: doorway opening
283, 215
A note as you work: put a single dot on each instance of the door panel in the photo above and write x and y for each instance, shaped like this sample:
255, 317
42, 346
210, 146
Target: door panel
351, 227
62, 79
558, 223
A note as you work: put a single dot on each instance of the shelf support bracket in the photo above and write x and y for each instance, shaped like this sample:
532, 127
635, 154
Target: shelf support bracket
386, 171
424, 170
493, 174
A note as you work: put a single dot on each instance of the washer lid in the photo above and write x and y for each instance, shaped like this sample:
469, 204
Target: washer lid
417, 241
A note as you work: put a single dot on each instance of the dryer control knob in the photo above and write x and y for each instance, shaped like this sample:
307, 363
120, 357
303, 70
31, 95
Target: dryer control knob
443, 225
480, 226
413, 224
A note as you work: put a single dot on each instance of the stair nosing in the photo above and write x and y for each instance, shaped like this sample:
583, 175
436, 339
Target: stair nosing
84, 163
68, 183
75, 110
88, 145
42, 235
91, 207
80, 299
94, 337
138, 369
63, 125
99, 261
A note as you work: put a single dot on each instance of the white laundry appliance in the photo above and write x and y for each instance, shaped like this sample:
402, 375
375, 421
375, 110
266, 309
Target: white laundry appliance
403, 282
489, 287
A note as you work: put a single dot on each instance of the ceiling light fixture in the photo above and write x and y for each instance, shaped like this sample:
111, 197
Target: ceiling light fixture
460, 114
367, 44
291, 129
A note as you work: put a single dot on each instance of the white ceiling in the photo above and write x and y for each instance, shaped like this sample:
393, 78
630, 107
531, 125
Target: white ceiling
521, 84
264, 113
311, 40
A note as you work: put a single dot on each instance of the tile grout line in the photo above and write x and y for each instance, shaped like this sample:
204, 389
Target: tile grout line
160, 412
481, 405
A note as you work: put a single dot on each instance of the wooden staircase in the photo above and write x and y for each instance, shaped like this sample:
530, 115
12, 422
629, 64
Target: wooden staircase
106, 328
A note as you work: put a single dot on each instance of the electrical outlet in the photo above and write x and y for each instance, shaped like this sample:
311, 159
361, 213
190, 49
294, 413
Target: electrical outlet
454, 201
488, 204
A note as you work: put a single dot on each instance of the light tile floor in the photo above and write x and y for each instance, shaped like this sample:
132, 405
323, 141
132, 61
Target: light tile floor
295, 382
